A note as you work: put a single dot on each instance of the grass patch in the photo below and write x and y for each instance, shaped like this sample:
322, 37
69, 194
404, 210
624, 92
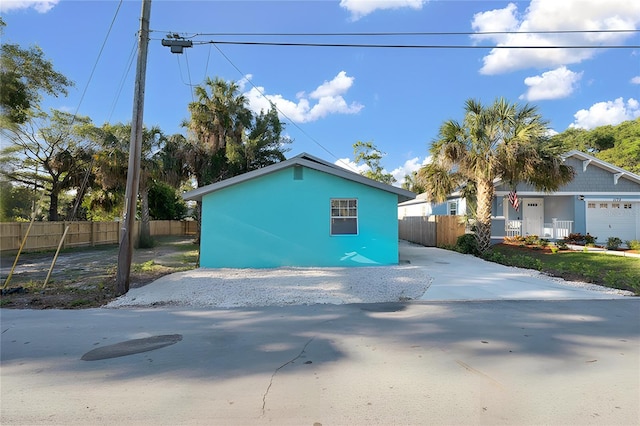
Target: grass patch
86, 277
148, 266
598, 268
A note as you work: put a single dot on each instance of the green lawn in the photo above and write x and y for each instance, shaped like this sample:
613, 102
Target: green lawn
592, 267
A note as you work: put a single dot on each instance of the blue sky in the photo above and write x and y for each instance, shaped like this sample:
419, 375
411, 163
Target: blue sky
332, 97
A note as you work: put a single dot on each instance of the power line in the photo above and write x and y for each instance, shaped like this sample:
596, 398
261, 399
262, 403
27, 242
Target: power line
129, 62
95, 65
414, 46
412, 34
186, 59
422, 33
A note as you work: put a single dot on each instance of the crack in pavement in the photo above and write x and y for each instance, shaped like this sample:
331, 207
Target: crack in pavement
264, 397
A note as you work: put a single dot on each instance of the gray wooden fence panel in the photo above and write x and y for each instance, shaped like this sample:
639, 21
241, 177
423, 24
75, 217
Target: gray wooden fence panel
418, 229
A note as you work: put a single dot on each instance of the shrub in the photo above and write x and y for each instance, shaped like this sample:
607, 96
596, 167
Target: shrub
520, 261
531, 240
562, 245
633, 244
588, 239
543, 242
574, 238
467, 244
451, 247
613, 243
516, 240
494, 256
554, 249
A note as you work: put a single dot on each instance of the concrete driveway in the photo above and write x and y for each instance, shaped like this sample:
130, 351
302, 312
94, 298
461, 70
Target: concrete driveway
464, 277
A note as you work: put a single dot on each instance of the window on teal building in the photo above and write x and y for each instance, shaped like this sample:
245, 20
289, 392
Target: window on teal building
344, 216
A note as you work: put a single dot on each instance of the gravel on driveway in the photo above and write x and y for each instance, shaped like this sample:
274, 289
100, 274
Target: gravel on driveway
230, 288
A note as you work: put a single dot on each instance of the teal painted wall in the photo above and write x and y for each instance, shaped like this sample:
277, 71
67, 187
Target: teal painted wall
274, 221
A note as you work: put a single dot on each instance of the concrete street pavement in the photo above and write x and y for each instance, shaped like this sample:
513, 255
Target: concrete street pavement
440, 363
537, 353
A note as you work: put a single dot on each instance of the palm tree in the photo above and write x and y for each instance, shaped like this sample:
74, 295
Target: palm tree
111, 164
262, 145
502, 141
220, 115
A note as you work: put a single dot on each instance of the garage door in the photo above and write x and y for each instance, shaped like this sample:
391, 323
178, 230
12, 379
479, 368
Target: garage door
613, 219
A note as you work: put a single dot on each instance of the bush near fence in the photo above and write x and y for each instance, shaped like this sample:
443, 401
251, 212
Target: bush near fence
431, 231
46, 235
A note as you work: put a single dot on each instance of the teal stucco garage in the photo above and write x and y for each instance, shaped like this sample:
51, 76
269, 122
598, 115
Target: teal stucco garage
300, 212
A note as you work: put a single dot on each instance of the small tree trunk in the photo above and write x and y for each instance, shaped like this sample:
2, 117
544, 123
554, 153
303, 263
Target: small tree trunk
53, 205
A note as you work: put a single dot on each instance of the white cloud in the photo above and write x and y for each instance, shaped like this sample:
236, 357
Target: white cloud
555, 84
407, 168
360, 8
605, 113
338, 86
41, 6
347, 163
635, 80
497, 20
242, 84
327, 97
552, 15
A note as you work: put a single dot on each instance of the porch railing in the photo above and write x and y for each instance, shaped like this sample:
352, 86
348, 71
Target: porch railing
513, 227
555, 230
558, 229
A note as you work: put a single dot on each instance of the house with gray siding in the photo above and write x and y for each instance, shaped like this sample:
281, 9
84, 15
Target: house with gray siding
602, 200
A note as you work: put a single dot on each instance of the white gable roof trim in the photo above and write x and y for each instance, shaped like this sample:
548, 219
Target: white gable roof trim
616, 171
304, 160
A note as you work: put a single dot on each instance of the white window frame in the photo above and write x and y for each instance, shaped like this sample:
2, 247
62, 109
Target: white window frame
453, 204
342, 211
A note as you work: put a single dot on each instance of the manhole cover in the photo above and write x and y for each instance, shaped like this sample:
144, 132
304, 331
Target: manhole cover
131, 347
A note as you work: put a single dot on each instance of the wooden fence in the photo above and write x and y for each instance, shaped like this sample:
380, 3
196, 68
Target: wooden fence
46, 235
431, 231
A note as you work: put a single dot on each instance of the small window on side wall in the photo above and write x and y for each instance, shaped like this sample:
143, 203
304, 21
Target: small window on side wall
452, 208
344, 216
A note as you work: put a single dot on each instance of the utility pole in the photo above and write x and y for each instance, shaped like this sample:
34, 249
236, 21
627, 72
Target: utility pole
135, 150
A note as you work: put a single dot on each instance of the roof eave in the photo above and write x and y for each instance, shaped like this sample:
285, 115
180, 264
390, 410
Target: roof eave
305, 160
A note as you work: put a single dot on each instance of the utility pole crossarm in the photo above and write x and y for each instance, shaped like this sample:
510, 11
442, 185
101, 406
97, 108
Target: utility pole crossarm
177, 45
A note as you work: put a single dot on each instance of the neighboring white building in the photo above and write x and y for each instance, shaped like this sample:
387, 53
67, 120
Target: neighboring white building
420, 207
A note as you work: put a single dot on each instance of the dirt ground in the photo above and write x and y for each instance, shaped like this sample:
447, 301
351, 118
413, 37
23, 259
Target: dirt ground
85, 277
